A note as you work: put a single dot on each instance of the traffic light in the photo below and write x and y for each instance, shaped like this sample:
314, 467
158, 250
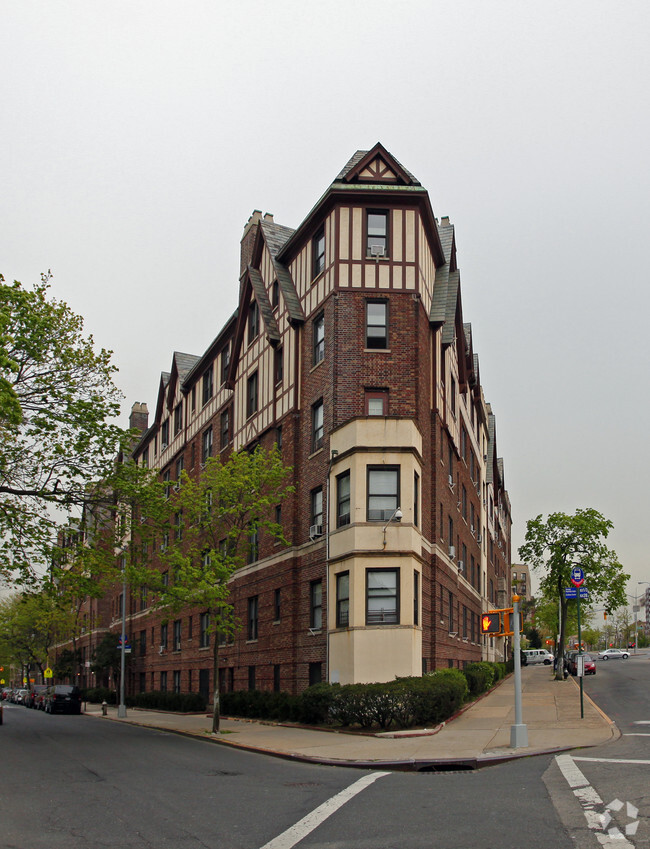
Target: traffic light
605, 616
490, 623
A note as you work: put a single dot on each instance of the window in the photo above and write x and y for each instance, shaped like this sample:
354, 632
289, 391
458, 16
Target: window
377, 233
208, 386
376, 402
180, 465
253, 321
453, 397
163, 636
225, 429
167, 476
276, 677
383, 493
164, 433
206, 445
317, 426
143, 643
165, 579
189, 627
178, 526
376, 324
251, 395
204, 632
319, 338
382, 596
275, 294
315, 672
343, 499
278, 437
277, 605
450, 598
416, 598
178, 419
464, 502
142, 682
343, 600
278, 364
177, 680
163, 682
316, 605
225, 363
193, 402
317, 509
144, 460
251, 677
318, 252
253, 620
416, 499
177, 635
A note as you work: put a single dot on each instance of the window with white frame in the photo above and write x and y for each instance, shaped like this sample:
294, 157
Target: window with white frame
206, 445
251, 395
253, 321
377, 232
383, 492
343, 499
317, 426
376, 324
318, 251
382, 596
319, 338
343, 600
316, 605
208, 385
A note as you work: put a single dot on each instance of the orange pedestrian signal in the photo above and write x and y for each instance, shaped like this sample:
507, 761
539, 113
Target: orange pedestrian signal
490, 623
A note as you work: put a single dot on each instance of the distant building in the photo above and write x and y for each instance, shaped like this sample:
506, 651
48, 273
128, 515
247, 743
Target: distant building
348, 350
520, 577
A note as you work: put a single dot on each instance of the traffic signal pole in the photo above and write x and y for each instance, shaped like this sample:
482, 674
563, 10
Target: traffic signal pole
518, 731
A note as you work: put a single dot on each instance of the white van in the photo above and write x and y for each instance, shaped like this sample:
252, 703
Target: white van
538, 656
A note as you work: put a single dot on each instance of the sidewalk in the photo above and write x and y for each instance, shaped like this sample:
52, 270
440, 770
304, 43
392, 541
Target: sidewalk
478, 736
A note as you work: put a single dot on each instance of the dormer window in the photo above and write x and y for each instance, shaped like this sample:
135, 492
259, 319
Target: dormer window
377, 233
253, 322
318, 252
275, 294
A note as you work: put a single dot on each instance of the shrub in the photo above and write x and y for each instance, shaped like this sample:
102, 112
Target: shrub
97, 695
480, 677
159, 700
316, 702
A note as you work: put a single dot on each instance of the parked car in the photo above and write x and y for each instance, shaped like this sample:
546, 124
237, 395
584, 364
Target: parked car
35, 693
612, 654
572, 663
6, 693
19, 696
538, 656
62, 698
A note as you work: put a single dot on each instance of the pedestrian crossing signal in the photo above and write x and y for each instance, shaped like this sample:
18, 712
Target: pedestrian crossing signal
490, 623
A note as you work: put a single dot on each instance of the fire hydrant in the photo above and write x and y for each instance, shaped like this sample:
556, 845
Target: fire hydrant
104, 708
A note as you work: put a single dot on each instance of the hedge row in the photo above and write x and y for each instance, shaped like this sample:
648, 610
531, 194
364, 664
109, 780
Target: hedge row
153, 700
405, 702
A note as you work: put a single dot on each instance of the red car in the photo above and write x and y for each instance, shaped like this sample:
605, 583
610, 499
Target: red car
572, 664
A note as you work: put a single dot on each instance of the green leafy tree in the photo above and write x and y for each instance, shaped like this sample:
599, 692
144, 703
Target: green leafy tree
215, 527
553, 547
29, 625
58, 402
107, 658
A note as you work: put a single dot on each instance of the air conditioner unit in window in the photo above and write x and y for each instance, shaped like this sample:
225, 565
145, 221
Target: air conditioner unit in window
451, 481
452, 551
176, 487
377, 250
479, 538
161, 650
163, 446
461, 566
315, 531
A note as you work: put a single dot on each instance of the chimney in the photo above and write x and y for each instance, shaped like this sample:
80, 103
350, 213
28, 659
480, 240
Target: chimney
248, 239
139, 418
444, 221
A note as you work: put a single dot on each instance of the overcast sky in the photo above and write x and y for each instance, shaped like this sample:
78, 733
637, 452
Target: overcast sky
139, 136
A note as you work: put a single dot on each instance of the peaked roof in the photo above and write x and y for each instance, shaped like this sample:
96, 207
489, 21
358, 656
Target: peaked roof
276, 236
359, 168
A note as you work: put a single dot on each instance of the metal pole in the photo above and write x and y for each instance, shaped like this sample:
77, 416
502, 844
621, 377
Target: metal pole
121, 710
518, 731
582, 707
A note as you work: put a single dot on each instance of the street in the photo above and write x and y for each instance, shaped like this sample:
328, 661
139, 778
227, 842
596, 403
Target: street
75, 781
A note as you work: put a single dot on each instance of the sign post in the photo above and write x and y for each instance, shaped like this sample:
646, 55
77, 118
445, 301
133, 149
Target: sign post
578, 579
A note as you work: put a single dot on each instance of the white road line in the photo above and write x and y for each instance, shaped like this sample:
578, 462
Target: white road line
589, 798
635, 734
641, 722
613, 761
308, 823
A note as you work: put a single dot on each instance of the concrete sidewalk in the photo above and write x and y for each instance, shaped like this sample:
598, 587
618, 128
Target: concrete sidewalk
478, 736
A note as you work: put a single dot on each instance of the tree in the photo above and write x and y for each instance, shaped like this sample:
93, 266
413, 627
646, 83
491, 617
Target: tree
57, 403
107, 658
29, 625
563, 541
214, 529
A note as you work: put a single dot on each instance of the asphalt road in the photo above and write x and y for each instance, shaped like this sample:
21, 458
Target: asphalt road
617, 775
74, 781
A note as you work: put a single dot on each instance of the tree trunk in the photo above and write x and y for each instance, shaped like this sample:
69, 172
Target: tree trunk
559, 666
216, 707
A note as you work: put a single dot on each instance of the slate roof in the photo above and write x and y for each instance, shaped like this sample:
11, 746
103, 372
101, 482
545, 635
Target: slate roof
185, 363
439, 303
276, 236
356, 158
266, 310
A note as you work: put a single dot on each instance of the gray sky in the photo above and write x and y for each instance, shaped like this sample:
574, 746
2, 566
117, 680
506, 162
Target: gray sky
139, 136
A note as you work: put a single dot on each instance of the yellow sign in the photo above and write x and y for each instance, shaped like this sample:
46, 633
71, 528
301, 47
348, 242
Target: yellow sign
48, 673
2, 680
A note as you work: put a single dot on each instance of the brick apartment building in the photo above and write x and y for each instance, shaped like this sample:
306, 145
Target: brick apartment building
349, 351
